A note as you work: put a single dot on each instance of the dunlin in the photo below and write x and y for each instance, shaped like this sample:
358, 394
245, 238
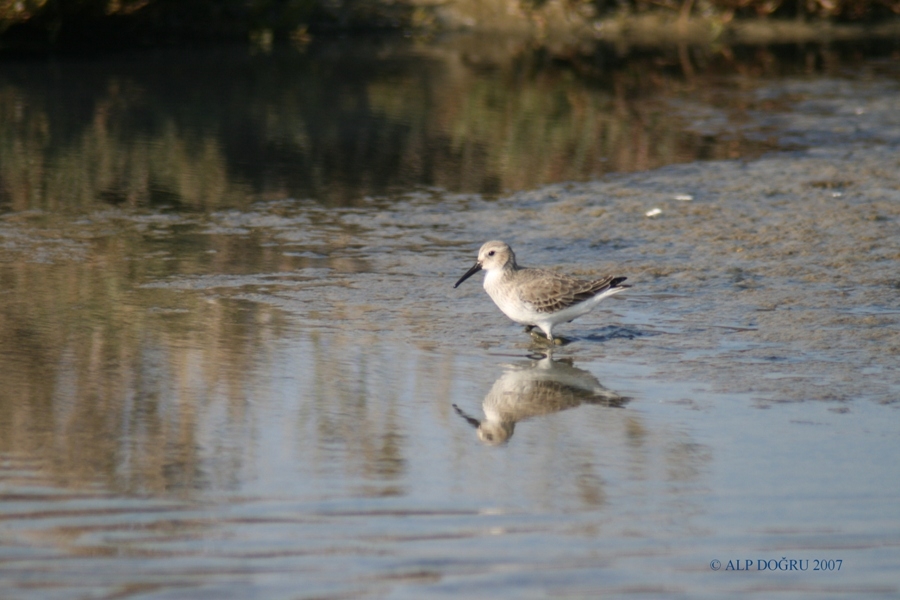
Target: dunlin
537, 297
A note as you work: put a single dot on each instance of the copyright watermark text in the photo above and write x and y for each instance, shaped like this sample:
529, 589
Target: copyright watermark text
777, 564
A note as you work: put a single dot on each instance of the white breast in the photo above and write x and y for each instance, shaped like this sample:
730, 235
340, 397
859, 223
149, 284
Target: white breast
503, 293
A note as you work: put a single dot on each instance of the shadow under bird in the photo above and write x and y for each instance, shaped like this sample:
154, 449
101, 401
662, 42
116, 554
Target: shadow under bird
537, 297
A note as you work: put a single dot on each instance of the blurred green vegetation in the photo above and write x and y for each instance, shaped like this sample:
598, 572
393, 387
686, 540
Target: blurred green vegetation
43, 24
40, 25
337, 123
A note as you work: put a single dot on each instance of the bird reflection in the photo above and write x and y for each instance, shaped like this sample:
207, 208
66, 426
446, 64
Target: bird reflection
541, 387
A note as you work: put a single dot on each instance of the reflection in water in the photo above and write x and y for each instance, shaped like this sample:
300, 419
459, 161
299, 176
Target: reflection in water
345, 121
542, 387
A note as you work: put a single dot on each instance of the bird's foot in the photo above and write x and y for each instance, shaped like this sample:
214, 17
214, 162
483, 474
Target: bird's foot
549, 341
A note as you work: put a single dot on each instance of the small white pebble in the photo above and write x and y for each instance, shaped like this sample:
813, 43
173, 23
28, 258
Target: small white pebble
837, 194
684, 197
653, 212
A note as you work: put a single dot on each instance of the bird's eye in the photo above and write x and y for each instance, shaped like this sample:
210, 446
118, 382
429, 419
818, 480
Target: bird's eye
491, 253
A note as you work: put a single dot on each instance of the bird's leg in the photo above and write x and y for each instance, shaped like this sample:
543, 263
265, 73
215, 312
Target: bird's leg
537, 336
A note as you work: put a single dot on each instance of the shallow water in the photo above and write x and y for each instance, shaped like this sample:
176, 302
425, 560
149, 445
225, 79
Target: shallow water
233, 364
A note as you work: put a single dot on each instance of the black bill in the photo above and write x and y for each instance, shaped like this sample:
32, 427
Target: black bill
475, 268
470, 420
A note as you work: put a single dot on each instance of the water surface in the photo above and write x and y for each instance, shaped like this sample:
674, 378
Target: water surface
232, 362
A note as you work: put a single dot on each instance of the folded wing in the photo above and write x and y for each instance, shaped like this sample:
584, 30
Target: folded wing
550, 292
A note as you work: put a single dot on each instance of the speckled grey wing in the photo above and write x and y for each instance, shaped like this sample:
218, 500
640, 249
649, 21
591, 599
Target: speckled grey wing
549, 292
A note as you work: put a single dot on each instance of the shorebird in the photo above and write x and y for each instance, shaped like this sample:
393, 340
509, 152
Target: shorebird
537, 297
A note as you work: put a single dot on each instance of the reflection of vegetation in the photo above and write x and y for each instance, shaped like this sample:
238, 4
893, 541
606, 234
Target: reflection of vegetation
105, 382
100, 379
220, 129
51, 163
